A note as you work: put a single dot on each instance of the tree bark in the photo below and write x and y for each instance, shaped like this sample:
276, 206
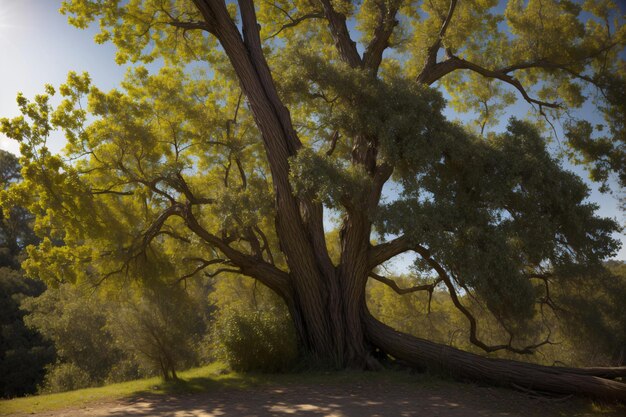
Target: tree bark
425, 354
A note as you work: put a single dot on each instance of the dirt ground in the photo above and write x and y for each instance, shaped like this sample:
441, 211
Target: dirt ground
356, 400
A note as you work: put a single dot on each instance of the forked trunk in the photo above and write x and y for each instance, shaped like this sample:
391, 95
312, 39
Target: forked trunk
338, 339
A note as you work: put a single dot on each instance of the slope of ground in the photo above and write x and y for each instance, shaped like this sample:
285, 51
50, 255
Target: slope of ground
208, 392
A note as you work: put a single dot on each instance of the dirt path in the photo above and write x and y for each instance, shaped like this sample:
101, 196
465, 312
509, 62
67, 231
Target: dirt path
342, 400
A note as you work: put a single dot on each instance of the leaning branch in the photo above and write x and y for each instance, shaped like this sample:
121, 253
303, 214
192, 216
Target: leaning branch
426, 354
268, 274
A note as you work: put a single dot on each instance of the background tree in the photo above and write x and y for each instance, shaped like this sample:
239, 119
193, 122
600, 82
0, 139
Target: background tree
232, 171
160, 327
23, 352
593, 316
106, 335
74, 320
586, 324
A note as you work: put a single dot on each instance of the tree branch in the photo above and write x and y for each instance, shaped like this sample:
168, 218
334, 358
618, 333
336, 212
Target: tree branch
333, 143
447, 280
385, 251
268, 274
155, 228
184, 188
295, 21
190, 25
339, 31
221, 271
203, 263
373, 55
431, 56
394, 286
453, 63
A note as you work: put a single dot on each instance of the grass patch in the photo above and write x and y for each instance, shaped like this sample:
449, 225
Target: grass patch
193, 380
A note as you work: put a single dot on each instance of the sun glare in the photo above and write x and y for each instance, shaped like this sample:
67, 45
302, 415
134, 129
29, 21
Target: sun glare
5, 21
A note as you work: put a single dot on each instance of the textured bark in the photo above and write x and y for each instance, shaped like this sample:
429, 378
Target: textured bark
426, 354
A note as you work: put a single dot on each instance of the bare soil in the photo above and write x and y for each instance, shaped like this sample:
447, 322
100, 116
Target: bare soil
369, 398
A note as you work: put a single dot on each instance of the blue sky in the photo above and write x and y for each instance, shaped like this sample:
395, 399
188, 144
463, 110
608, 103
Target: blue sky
38, 46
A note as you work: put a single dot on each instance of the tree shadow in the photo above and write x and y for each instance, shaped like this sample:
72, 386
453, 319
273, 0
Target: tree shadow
195, 385
234, 397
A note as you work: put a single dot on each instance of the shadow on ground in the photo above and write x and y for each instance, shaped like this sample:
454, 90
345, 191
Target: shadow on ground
362, 399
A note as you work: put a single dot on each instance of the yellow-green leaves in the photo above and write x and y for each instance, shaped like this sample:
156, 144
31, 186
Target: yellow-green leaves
145, 30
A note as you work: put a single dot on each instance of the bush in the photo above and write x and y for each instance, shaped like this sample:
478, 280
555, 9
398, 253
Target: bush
256, 340
124, 370
65, 377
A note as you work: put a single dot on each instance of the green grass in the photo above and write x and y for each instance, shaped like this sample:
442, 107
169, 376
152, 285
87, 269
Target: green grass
195, 380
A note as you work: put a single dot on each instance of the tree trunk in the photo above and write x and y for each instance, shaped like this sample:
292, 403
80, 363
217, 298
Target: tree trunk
344, 344
361, 335
508, 373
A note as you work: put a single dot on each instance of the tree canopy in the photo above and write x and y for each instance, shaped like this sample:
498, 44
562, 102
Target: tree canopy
264, 116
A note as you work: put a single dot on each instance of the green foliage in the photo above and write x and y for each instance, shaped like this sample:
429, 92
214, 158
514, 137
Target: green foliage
74, 320
66, 377
116, 336
593, 316
497, 207
605, 154
257, 340
252, 330
23, 352
159, 327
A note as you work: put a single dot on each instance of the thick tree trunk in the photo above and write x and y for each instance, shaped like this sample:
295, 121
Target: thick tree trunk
426, 354
345, 345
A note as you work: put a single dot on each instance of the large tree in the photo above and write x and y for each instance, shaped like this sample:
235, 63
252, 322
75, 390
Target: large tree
267, 116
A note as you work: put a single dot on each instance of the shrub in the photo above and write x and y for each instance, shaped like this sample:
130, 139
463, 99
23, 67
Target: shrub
256, 340
124, 370
65, 377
